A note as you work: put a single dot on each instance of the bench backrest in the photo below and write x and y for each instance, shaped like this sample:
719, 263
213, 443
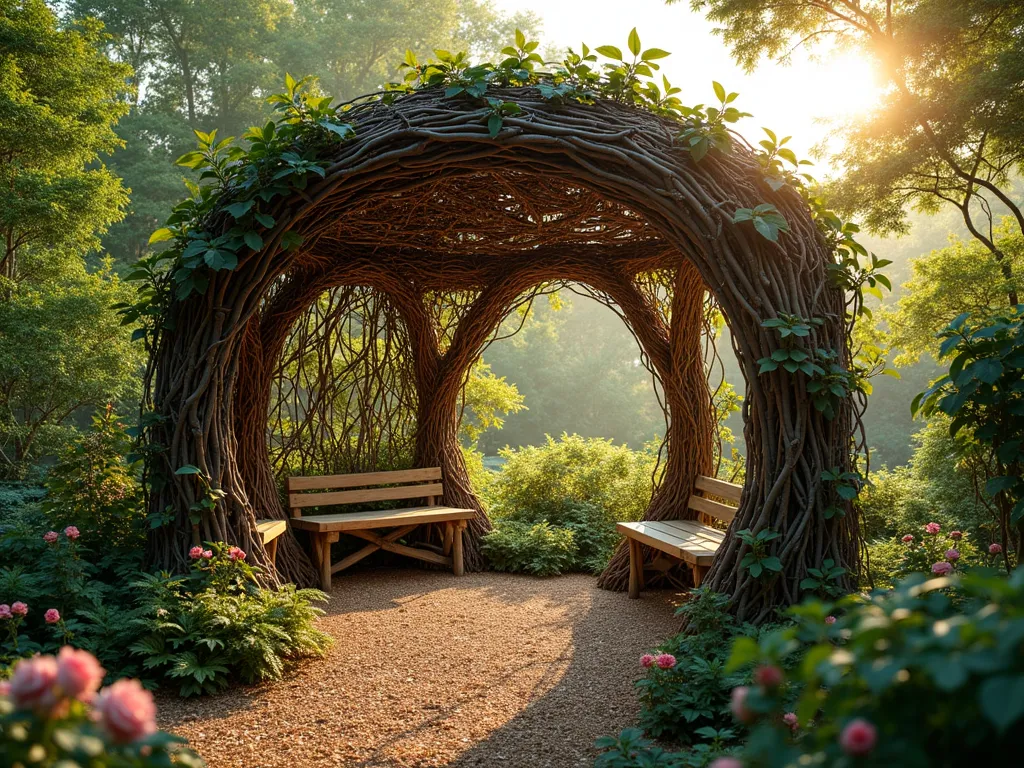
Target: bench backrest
402, 484
711, 486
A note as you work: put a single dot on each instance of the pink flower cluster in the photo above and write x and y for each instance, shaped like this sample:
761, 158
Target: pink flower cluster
932, 528
52, 616
236, 554
15, 609
995, 549
50, 537
45, 684
662, 660
942, 568
197, 553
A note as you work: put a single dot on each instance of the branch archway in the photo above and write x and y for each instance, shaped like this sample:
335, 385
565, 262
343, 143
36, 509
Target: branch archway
426, 202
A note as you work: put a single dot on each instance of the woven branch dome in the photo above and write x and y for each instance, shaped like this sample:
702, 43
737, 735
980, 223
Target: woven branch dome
424, 201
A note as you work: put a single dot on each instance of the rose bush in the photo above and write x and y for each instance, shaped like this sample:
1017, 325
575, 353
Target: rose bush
54, 714
931, 673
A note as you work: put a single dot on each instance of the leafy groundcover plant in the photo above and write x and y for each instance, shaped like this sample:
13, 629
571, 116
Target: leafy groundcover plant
928, 674
52, 715
685, 695
202, 630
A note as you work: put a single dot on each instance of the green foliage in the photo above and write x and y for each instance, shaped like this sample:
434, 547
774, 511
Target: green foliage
946, 652
534, 548
984, 391
96, 487
579, 486
487, 400
758, 559
215, 625
825, 580
677, 703
59, 100
766, 220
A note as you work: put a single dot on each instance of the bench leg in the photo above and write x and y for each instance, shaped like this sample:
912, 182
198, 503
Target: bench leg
457, 566
323, 544
272, 551
699, 572
636, 567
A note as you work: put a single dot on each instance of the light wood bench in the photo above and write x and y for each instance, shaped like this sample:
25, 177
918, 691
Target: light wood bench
269, 530
404, 484
691, 541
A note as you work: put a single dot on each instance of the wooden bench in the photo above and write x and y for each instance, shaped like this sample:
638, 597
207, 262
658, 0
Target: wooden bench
691, 541
269, 530
405, 484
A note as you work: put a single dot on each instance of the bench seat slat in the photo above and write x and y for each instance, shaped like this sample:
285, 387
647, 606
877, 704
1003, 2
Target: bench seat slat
300, 500
271, 529
425, 475
682, 541
361, 521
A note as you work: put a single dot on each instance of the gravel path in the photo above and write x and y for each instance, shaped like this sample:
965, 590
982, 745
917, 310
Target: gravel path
429, 670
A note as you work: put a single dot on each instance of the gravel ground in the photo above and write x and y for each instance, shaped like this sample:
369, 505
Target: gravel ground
429, 670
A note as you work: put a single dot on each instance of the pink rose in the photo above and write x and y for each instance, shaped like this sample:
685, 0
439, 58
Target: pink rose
207, 554
942, 568
907, 539
726, 762
52, 616
78, 673
790, 719
830, 620
126, 710
72, 532
19, 609
32, 683
933, 528
858, 737
995, 549
50, 537
738, 704
195, 553
956, 535
665, 660
236, 554
952, 555
646, 661
768, 676
5, 611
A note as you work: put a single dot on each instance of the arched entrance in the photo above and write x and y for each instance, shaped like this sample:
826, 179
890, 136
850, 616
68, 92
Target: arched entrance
423, 201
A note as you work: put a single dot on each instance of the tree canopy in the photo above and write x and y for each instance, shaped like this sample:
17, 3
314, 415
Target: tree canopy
948, 130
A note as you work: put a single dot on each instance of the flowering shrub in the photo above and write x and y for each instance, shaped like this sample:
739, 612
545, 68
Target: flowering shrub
215, 624
931, 673
52, 714
929, 550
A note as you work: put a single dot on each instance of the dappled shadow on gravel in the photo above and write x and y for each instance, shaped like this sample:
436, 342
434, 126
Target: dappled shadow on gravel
429, 670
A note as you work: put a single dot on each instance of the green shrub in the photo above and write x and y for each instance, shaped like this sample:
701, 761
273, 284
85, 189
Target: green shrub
928, 674
918, 552
537, 548
96, 488
583, 486
15, 497
216, 624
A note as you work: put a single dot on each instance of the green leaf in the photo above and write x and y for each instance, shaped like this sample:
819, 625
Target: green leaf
634, 42
610, 51
188, 469
253, 240
1002, 700
238, 210
161, 235
719, 91
651, 54
494, 125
